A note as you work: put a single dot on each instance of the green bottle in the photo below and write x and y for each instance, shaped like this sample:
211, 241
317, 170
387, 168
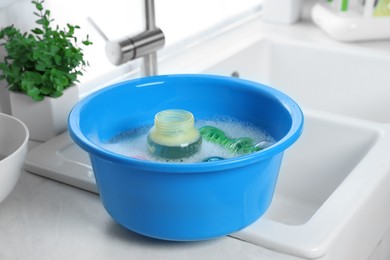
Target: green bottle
242, 145
173, 135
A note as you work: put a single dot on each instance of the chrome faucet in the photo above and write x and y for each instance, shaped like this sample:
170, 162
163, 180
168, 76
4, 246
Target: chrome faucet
143, 45
150, 59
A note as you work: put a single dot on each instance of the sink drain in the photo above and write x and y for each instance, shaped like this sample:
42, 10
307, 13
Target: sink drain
235, 74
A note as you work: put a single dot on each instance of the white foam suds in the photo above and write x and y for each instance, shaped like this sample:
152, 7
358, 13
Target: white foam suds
133, 143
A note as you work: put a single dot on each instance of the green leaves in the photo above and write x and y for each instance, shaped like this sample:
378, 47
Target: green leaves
38, 5
43, 62
37, 31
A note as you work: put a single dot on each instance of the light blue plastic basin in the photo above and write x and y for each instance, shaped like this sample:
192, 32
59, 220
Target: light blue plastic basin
192, 201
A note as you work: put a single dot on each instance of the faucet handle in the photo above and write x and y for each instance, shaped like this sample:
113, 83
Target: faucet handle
130, 48
97, 28
120, 50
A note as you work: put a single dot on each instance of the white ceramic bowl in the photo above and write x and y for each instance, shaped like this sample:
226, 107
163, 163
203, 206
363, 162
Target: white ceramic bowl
13, 149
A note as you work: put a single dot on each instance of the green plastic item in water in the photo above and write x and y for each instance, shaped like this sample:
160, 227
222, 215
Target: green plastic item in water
242, 145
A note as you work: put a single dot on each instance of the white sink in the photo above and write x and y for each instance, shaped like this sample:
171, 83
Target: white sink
333, 185
330, 149
345, 81
332, 195
331, 200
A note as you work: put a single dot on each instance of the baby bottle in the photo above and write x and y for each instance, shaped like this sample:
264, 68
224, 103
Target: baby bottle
173, 135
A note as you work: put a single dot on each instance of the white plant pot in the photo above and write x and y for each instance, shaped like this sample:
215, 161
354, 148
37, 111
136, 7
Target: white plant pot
47, 118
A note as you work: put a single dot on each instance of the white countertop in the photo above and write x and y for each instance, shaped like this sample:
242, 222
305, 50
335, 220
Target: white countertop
44, 219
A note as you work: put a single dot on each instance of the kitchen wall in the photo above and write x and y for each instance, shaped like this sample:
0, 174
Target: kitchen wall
178, 19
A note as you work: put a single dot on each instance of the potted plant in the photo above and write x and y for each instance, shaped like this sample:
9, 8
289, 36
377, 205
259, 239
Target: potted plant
39, 67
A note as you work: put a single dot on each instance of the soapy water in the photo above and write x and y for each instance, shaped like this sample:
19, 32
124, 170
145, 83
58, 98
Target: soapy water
133, 143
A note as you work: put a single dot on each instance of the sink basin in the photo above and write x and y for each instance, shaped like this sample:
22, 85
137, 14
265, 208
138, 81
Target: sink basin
331, 200
343, 81
315, 167
323, 190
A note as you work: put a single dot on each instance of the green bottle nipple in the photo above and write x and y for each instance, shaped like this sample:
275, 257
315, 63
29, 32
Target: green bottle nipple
173, 135
242, 145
